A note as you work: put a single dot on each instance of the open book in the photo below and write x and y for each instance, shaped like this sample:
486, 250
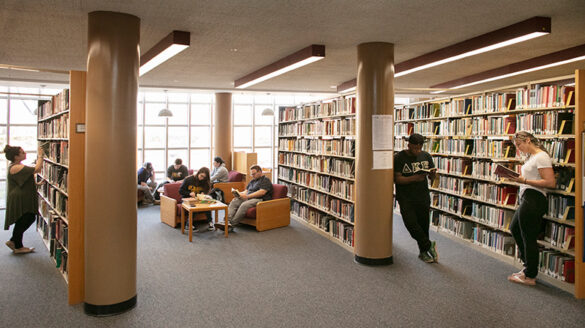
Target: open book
427, 170
504, 172
236, 193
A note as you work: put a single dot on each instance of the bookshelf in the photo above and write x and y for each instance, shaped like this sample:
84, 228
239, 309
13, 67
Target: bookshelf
61, 203
469, 134
316, 161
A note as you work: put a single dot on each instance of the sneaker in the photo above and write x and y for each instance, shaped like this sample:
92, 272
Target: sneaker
10, 245
221, 226
425, 257
24, 250
523, 280
156, 202
433, 251
211, 227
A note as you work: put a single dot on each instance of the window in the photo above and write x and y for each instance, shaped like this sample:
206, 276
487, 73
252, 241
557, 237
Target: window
200, 158
178, 137
22, 111
154, 137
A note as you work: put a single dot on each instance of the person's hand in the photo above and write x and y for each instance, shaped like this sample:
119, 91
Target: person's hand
244, 196
143, 184
192, 194
518, 179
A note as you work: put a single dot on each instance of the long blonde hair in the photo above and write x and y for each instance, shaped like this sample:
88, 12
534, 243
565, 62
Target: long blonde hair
526, 136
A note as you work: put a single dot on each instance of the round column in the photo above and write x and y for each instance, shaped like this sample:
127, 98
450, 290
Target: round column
374, 180
222, 134
110, 162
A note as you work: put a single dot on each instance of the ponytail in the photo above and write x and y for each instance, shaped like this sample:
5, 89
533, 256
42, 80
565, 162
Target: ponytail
523, 135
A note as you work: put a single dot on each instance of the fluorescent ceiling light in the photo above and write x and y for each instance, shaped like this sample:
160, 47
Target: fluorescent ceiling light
166, 48
300, 58
519, 32
538, 63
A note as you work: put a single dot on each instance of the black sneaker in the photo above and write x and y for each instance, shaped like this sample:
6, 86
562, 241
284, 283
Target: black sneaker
221, 226
425, 257
433, 251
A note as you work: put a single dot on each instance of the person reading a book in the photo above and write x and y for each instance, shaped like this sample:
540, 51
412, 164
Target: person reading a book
537, 174
21, 196
146, 173
412, 168
259, 189
219, 172
194, 185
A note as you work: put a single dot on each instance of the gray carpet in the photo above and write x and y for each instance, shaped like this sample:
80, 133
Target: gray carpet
288, 277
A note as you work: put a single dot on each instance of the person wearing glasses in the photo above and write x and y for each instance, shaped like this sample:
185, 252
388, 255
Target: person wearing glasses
259, 189
537, 174
412, 168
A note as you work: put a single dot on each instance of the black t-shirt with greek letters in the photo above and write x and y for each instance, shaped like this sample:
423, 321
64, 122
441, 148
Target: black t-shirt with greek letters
408, 165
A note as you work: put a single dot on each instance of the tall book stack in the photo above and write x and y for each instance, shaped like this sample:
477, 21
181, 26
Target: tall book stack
470, 136
60, 187
316, 161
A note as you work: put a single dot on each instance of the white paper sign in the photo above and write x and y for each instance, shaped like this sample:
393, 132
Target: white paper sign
382, 132
382, 160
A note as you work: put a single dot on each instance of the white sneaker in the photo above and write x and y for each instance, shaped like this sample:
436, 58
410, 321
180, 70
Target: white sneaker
211, 227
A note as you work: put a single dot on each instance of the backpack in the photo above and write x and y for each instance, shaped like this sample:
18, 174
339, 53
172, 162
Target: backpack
217, 194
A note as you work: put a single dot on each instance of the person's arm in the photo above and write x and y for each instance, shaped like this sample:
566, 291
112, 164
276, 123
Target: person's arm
433, 175
39, 164
184, 189
548, 179
152, 176
170, 174
256, 194
400, 179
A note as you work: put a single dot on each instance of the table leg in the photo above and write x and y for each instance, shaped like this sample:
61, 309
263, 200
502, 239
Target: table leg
182, 221
225, 220
190, 227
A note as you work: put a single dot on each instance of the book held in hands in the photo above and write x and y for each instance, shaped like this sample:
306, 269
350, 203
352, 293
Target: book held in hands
236, 193
504, 172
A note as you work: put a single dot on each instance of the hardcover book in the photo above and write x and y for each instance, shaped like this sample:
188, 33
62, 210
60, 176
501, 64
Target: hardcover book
504, 172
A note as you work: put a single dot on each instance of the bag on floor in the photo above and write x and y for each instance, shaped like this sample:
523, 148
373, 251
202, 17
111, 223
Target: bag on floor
217, 194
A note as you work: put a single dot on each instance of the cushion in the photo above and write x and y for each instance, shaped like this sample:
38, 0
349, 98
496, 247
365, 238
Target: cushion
279, 191
190, 171
251, 213
171, 190
235, 176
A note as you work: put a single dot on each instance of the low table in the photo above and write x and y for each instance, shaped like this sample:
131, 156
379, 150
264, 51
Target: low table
216, 207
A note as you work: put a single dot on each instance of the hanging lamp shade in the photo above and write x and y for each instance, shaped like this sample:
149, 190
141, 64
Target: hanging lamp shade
165, 112
267, 112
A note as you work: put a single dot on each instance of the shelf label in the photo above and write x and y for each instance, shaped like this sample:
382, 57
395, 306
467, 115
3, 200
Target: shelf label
80, 127
382, 132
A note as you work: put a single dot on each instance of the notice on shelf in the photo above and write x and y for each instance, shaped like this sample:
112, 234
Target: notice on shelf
382, 132
382, 160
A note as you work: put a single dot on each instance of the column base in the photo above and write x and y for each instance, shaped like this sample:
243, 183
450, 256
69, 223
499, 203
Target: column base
109, 310
374, 262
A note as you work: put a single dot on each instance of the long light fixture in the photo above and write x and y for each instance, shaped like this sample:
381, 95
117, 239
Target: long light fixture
166, 48
519, 32
534, 64
347, 86
298, 59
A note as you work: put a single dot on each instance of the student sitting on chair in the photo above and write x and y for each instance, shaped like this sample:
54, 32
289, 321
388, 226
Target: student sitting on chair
198, 184
145, 173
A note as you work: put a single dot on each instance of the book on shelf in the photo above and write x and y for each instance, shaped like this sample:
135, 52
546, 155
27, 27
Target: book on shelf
46, 147
504, 172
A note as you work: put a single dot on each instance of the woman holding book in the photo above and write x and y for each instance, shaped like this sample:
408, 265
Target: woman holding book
199, 183
537, 174
22, 200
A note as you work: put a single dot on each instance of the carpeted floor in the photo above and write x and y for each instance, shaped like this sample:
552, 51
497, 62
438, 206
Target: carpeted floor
288, 277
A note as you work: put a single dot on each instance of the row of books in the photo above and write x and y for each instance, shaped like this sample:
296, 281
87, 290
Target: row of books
552, 263
336, 166
55, 128
58, 103
339, 187
334, 127
55, 232
537, 96
561, 207
322, 201
340, 147
58, 152
55, 174
474, 147
337, 229
560, 235
57, 199
560, 151
548, 123
332, 107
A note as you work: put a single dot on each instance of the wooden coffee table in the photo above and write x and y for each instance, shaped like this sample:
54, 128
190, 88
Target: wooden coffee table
190, 209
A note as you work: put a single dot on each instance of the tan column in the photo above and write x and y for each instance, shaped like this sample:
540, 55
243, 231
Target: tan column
222, 134
110, 158
373, 187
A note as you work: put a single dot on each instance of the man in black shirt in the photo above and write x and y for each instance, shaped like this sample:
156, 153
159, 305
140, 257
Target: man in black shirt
412, 167
259, 189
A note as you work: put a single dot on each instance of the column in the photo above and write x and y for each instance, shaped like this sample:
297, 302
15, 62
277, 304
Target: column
222, 134
374, 180
110, 164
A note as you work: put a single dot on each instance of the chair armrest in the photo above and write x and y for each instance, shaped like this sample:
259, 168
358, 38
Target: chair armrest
226, 187
272, 214
168, 210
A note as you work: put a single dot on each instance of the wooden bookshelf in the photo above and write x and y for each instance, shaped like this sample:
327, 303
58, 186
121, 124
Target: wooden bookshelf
316, 161
468, 134
61, 201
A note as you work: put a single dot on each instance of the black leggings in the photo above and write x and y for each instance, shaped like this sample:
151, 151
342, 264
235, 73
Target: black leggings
21, 225
416, 219
525, 227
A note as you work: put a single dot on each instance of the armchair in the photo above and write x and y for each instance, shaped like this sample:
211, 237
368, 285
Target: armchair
270, 214
235, 180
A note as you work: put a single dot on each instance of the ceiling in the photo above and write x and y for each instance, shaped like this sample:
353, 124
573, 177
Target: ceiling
230, 38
